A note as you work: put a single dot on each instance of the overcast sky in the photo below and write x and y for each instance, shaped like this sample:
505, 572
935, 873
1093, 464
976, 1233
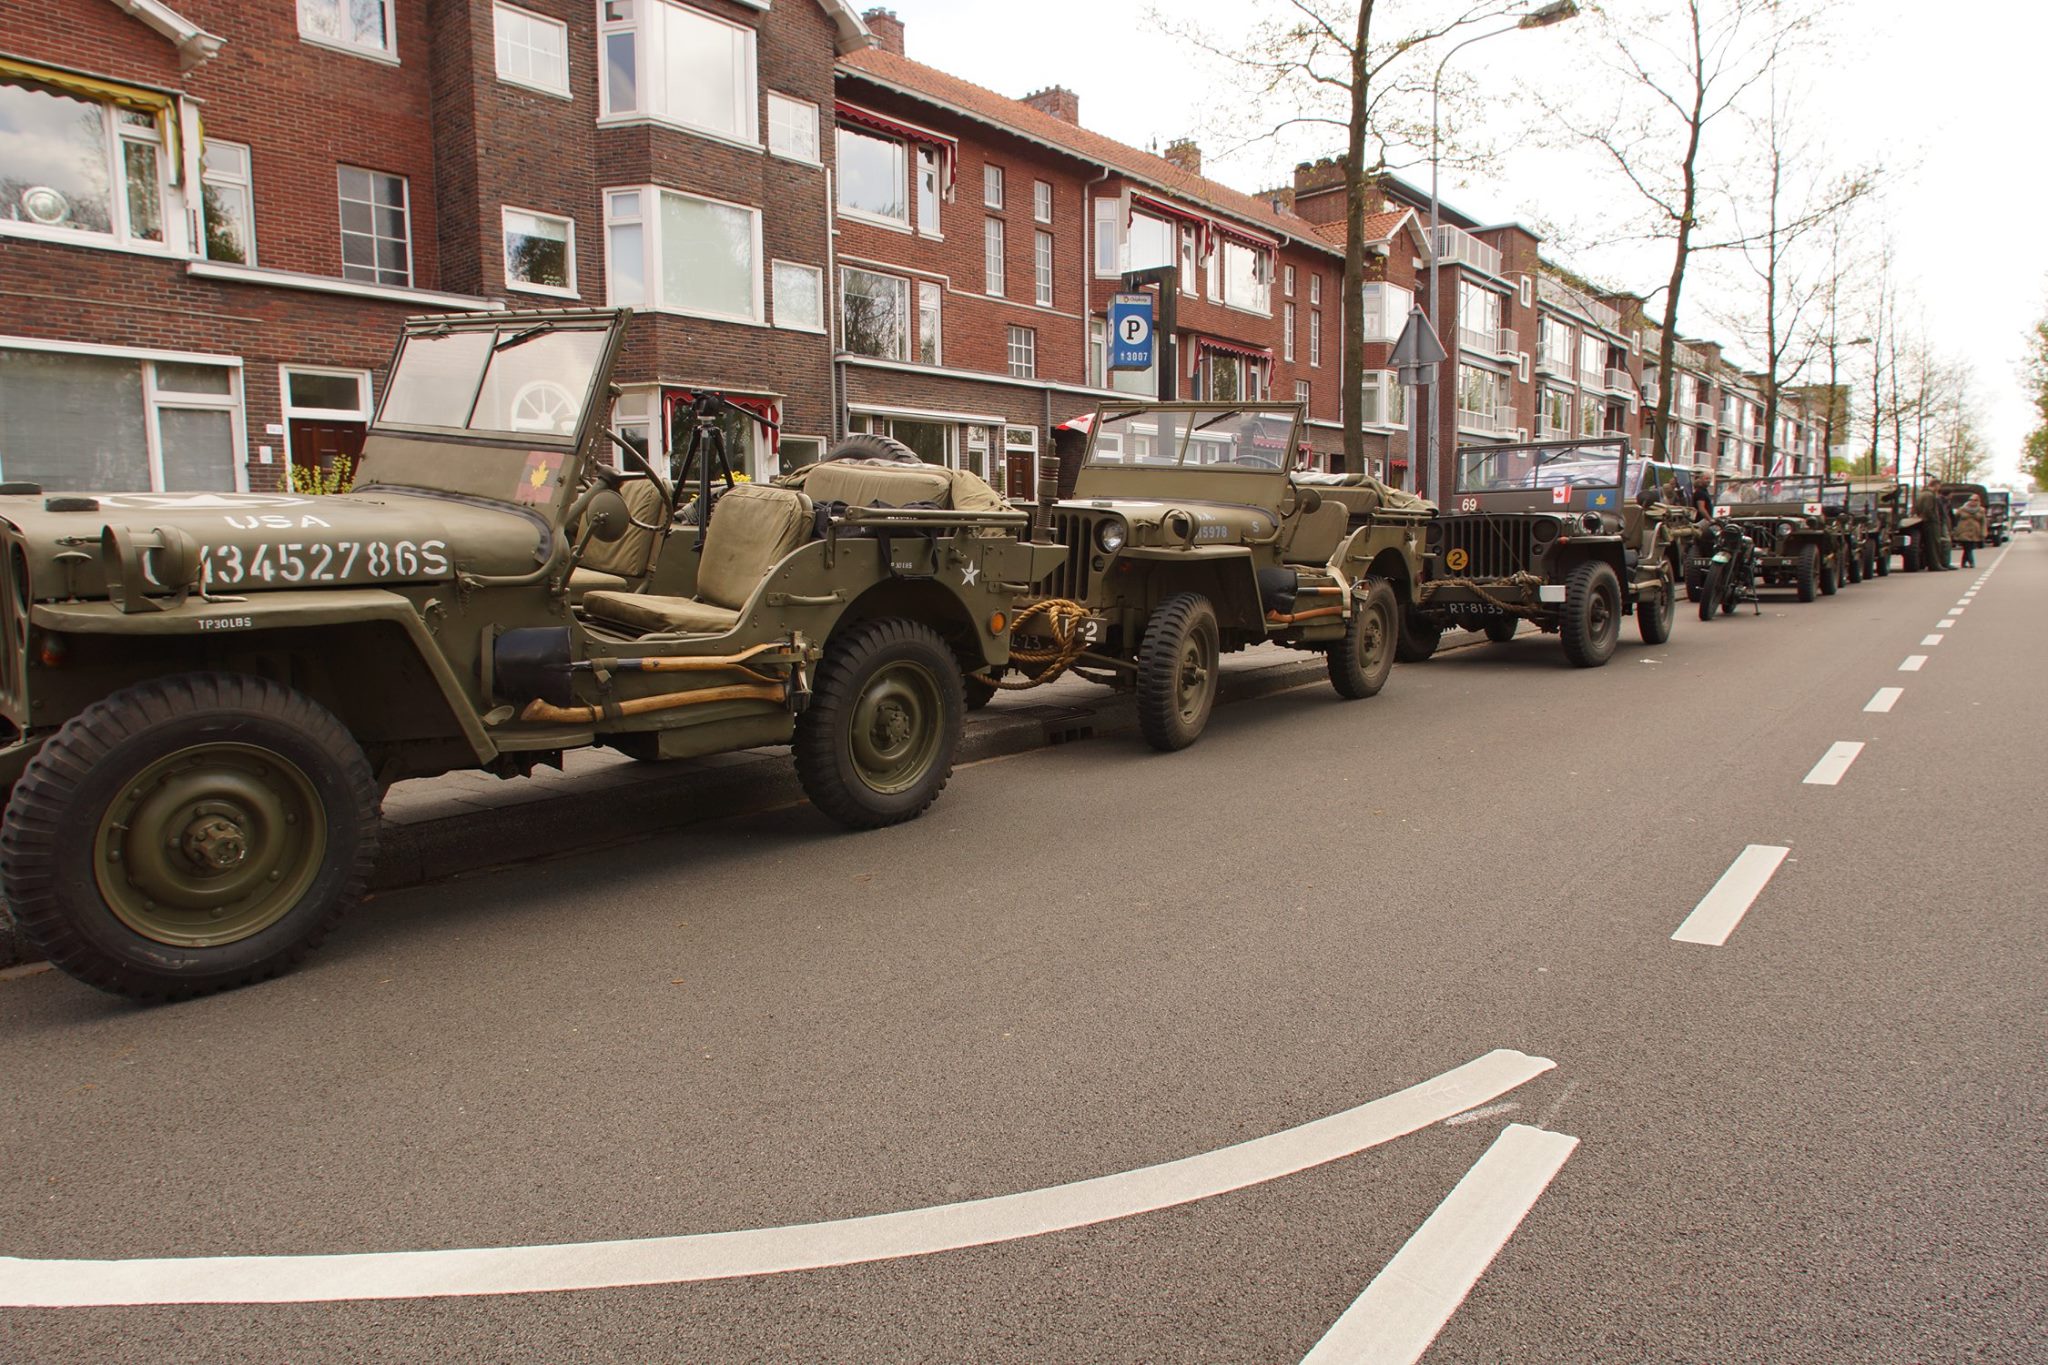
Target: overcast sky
1947, 97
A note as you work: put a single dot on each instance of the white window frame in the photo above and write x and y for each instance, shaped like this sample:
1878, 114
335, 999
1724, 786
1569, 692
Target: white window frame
649, 53
153, 399
1301, 392
1261, 301
903, 169
1525, 289
360, 413
500, 11
411, 257
119, 235
1287, 324
245, 182
779, 101
649, 219
1393, 399
1041, 201
930, 291
1041, 267
993, 247
388, 52
909, 311
1315, 336
505, 249
991, 186
1287, 276
1108, 244
1315, 290
1522, 366
824, 300
929, 171
1386, 310
1098, 353
1021, 342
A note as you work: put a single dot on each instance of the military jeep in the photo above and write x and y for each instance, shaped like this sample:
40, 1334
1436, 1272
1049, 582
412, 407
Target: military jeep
205, 695
1188, 536
1796, 522
1874, 515
1572, 535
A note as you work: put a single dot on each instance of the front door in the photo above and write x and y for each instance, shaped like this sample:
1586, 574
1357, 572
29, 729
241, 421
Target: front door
1020, 474
317, 442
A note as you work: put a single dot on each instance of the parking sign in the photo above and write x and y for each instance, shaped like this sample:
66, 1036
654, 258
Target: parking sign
1130, 332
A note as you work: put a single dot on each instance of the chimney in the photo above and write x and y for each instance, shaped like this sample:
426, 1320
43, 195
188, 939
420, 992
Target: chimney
1311, 177
1062, 103
887, 28
1183, 153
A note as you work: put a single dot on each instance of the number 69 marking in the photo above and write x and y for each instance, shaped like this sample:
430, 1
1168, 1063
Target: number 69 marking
1468, 504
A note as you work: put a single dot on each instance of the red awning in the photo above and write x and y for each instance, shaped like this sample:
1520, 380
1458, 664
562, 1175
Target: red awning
1235, 348
674, 400
1205, 230
1246, 237
949, 147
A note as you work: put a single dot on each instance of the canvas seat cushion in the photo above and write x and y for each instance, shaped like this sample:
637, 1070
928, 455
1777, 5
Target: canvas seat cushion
651, 615
583, 582
752, 528
1312, 537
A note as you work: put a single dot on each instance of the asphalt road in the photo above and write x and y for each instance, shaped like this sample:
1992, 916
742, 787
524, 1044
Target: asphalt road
1825, 1140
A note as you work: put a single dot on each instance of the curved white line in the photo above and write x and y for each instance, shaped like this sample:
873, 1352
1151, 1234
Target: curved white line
28, 1283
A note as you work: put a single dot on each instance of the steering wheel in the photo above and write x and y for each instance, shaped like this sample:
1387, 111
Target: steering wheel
642, 469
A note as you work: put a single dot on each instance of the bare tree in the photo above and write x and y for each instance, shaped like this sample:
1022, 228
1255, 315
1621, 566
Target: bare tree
1682, 73
1354, 65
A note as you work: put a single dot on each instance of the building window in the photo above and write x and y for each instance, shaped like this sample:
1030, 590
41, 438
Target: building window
1233, 379
1098, 353
928, 191
1106, 235
871, 176
71, 165
1287, 282
1315, 336
1553, 346
1554, 413
1589, 415
1479, 397
874, 314
1041, 260
540, 253
1041, 201
376, 227
1248, 278
1301, 392
359, 25
1384, 402
118, 424
1287, 332
1592, 360
931, 441
682, 254
532, 51
799, 296
1479, 318
1023, 349
1151, 243
1315, 289
228, 196
992, 256
326, 413
928, 322
793, 128
1386, 311
992, 186
670, 62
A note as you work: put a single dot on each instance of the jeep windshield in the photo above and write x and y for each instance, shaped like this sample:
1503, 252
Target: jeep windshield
1511, 468
1193, 437
527, 379
1801, 489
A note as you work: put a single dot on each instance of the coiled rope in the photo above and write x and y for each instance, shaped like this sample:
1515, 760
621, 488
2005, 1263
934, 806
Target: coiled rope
1042, 664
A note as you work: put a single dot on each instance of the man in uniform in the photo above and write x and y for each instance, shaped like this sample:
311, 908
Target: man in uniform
1932, 509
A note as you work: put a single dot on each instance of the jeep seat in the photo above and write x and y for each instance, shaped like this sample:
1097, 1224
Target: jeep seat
1312, 537
612, 566
752, 528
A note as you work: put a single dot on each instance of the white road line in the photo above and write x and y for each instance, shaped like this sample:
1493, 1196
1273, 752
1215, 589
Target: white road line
1944, 623
686, 1259
1833, 763
1474, 1115
1930, 640
1914, 663
1886, 698
1722, 908
1407, 1304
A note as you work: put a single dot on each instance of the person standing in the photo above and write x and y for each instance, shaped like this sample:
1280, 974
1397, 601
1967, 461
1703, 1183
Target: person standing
1972, 529
1703, 493
1932, 510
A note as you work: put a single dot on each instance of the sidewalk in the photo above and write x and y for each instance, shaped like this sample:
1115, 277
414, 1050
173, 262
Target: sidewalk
464, 822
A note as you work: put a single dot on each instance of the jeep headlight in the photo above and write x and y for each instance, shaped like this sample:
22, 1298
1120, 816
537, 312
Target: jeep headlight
1110, 535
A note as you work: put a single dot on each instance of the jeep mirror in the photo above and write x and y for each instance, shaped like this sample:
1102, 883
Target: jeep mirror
607, 517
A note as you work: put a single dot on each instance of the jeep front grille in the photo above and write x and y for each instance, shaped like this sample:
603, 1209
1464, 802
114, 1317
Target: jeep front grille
1495, 547
1075, 531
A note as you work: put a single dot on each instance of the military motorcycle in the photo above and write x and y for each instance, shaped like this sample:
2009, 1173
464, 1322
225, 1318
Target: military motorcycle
1729, 573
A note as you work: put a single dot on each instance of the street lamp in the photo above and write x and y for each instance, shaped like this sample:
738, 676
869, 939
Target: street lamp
1555, 12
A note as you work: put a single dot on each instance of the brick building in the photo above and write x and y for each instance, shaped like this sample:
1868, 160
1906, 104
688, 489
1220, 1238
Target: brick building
213, 215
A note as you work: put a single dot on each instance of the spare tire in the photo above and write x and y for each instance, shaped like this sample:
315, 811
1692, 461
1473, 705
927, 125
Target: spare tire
864, 445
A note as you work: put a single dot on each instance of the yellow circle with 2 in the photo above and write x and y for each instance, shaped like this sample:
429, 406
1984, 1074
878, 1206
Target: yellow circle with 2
1457, 559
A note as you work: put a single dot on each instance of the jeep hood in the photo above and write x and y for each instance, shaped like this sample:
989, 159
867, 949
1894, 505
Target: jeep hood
255, 542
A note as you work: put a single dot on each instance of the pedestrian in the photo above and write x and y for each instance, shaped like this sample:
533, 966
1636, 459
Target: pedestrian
1703, 493
1932, 510
1972, 529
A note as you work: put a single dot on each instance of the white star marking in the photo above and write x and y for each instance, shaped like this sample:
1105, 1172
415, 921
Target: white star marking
970, 575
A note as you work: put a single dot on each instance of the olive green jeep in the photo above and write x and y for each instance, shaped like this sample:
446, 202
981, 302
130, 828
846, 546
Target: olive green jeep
1188, 536
1570, 535
1798, 522
205, 695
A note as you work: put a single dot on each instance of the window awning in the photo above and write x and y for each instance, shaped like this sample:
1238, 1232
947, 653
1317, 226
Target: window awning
159, 104
1235, 348
1246, 237
948, 147
675, 401
1205, 230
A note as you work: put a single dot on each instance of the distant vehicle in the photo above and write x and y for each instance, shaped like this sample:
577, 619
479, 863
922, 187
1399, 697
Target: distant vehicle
1800, 528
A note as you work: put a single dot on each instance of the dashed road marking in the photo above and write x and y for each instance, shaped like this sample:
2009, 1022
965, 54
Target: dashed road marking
1724, 905
1930, 641
1914, 663
26, 1283
1833, 763
1409, 1301
1886, 698
1944, 623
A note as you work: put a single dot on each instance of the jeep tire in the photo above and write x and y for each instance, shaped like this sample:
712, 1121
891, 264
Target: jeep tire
1361, 661
1178, 671
1419, 637
1501, 629
875, 746
1830, 576
1656, 612
1591, 624
189, 834
1806, 573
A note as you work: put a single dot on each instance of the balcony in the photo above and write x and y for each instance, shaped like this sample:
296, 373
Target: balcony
1703, 413
1494, 420
1501, 342
1455, 246
1620, 381
1550, 362
1547, 430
